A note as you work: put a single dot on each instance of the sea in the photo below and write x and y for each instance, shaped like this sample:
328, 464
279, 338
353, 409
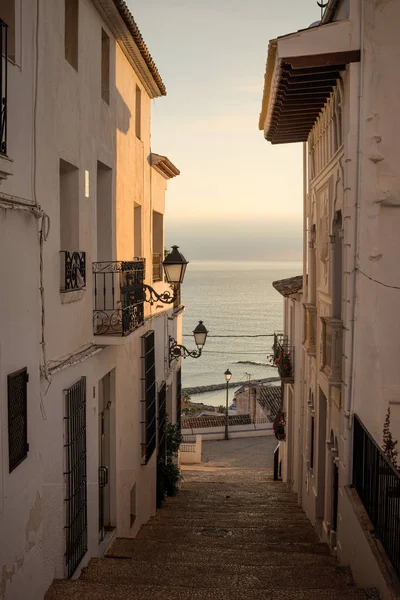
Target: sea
232, 298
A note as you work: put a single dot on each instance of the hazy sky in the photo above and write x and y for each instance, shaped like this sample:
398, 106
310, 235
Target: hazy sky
237, 196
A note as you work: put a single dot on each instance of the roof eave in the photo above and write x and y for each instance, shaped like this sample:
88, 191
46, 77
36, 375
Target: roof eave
164, 166
310, 53
125, 30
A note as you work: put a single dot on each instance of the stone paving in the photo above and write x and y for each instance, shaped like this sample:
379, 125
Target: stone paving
231, 534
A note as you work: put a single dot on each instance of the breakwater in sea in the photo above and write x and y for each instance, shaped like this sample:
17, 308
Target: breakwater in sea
200, 389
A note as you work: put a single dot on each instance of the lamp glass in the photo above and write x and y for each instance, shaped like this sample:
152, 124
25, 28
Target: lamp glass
175, 266
200, 335
228, 375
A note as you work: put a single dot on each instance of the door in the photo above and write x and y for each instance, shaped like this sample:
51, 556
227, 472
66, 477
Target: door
104, 455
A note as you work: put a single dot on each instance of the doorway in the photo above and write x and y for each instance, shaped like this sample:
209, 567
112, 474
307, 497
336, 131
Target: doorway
104, 456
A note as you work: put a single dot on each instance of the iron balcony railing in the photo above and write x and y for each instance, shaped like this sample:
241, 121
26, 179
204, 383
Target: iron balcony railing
377, 483
283, 357
157, 267
3, 86
118, 297
72, 270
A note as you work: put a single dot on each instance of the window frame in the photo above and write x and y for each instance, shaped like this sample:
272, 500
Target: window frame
12, 422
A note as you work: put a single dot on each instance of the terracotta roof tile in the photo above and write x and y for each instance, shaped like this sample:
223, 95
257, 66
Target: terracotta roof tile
289, 286
217, 421
271, 399
140, 43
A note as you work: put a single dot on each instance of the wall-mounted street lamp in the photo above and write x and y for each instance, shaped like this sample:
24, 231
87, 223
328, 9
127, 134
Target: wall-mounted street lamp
176, 350
174, 268
228, 376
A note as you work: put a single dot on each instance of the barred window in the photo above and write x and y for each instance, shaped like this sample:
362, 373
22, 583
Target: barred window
162, 421
178, 397
17, 418
149, 398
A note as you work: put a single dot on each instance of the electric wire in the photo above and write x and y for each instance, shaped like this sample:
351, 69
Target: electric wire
386, 285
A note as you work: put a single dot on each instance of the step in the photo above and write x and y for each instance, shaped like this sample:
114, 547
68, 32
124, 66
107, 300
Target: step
82, 590
172, 508
228, 536
199, 575
228, 521
245, 554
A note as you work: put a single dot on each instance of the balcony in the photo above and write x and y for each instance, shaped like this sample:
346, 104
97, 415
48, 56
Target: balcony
283, 357
157, 267
331, 351
118, 297
310, 329
377, 483
72, 271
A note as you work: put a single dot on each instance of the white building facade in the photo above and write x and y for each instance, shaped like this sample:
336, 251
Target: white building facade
333, 88
85, 374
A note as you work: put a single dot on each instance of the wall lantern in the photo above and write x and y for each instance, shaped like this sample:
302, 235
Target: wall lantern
174, 268
177, 350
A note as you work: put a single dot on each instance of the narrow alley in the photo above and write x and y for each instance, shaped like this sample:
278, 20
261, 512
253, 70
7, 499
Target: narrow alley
232, 533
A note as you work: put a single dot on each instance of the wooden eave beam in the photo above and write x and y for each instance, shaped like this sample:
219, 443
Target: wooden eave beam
333, 59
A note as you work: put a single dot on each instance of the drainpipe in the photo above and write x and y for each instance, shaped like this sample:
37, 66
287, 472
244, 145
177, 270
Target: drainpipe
304, 297
304, 218
350, 403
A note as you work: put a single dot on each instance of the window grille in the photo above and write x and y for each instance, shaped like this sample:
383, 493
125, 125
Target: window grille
76, 475
162, 420
3, 85
17, 418
149, 396
178, 397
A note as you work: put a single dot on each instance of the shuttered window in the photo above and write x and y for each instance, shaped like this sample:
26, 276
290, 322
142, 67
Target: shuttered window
149, 396
178, 397
17, 418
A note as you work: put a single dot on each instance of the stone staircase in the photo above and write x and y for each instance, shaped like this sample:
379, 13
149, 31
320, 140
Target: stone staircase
231, 534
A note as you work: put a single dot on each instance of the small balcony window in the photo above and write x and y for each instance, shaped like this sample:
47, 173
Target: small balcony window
118, 297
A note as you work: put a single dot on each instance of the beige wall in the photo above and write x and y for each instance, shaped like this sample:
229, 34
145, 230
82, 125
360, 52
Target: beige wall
73, 124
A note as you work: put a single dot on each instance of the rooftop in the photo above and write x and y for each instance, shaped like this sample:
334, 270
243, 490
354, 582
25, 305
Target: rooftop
303, 69
164, 166
289, 286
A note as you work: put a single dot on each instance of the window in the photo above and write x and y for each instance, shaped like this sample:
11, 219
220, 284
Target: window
105, 67
178, 397
158, 245
17, 418
7, 15
312, 443
71, 32
137, 233
69, 206
75, 472
162, 421
138, 113
149, 396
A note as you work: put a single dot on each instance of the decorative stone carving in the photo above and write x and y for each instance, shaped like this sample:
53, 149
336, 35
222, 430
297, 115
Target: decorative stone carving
332, 349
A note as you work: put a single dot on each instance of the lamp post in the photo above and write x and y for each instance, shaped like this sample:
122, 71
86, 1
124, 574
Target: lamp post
228, 376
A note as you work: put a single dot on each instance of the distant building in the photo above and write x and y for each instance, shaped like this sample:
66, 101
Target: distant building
84, 363
260, 401
334, 88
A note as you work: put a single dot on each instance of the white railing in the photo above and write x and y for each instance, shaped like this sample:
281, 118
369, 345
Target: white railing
190, 449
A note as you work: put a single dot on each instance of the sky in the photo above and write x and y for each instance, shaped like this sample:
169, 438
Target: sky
238, 197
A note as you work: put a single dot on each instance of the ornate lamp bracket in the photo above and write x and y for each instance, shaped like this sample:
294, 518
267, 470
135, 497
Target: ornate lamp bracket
177, 350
